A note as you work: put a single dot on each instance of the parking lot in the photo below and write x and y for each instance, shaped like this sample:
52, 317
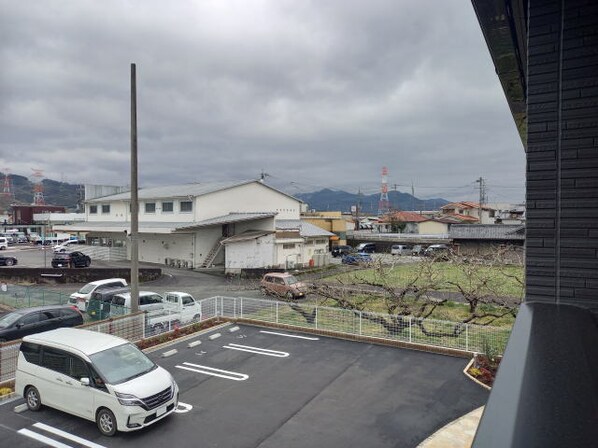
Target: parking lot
257, 387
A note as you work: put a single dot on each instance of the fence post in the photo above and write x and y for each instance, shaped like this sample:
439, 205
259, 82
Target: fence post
276, 312
410, 327
466, 337
316, 318
241, 307
360, 320
234, 307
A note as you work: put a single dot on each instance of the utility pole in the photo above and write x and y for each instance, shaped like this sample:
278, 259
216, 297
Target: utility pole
482, 195
134, 197
357, 209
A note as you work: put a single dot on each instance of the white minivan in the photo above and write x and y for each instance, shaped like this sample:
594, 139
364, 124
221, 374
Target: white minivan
81, 297
3, 243
96, 376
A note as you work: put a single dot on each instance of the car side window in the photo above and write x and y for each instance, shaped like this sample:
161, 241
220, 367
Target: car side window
56, 360
154, 298
187, 301
79, 368
49, 314
29, 319
144, 300
31, 352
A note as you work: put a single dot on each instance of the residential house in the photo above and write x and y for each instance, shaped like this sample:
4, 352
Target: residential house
411, 222
470, 212
205, 224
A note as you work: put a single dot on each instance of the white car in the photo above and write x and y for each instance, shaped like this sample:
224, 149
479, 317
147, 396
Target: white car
96, 376
81, 298
63, 247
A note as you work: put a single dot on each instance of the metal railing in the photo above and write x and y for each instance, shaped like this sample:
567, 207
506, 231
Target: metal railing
435, 333
453, 335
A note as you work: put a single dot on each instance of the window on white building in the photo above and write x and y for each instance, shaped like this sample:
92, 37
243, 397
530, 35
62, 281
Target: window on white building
150, 207
186, 206
93, 209
167, 207
288, 246
106, 208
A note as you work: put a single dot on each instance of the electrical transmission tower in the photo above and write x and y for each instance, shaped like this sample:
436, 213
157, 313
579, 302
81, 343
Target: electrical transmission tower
38, 187
384, 204
7, 190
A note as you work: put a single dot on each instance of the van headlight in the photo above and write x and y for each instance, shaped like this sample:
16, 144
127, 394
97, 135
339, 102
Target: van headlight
129, 400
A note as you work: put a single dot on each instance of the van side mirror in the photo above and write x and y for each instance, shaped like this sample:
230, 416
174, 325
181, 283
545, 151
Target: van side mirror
85, 382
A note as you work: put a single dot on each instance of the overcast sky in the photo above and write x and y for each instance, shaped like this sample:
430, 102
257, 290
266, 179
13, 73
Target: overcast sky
320, 93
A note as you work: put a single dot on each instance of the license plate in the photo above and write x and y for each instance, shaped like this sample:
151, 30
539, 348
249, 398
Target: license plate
160, 411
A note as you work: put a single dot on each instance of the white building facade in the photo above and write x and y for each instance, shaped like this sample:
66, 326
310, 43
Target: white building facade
230, 224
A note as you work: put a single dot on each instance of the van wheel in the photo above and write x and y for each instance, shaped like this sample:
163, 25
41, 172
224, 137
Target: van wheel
197, 317
106, 422
9, 262
290, 295
264, 291
33, 399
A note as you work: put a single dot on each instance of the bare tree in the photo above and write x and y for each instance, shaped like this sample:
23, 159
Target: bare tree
379, 296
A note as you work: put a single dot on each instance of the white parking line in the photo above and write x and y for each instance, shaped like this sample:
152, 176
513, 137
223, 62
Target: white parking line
43, 439
67, 435
235, 376
290, 335
259, 351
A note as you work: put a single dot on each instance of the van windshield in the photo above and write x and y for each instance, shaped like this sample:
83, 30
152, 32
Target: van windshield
8, 319
122, 363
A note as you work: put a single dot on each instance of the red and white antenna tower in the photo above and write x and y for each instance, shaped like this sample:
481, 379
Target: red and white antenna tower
7, 187
384, 204
38, 187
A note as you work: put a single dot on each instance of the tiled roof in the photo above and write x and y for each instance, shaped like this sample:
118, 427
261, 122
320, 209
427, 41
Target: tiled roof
461, 218
487, 232
405, 217
306, 229
465, 204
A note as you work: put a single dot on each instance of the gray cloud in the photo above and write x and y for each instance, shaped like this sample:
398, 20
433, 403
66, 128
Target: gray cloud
316, 93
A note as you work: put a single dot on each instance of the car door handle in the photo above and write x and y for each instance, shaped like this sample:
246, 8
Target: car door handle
60, 380
69, 383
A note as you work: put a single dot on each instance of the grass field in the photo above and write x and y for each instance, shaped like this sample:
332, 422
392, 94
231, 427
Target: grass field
501, 281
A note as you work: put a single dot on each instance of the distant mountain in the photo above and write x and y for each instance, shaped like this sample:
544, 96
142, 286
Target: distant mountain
55, 193
327, 199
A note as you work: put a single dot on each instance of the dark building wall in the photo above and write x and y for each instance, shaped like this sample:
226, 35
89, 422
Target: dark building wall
562, 154
23, 214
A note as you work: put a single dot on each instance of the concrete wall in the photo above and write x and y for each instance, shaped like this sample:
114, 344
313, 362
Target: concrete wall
562, 153
154, 248
432, 228
257, 253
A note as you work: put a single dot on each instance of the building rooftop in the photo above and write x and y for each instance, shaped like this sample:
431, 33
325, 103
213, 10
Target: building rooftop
487, 232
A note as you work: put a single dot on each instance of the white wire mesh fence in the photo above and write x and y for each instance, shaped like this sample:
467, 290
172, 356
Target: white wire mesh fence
437, 333
444, 334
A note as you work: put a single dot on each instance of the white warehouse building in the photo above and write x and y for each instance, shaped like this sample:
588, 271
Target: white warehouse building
236, 225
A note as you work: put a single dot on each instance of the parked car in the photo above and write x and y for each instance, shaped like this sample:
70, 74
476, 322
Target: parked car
63, 247
25, 321
81, 298
400, 249
282, 284
3, 243
7, 261
98, 307
358, 258
96, 376
369, 248
179, 308
437, 250
417, 250
148, 301
73, 259
339, 251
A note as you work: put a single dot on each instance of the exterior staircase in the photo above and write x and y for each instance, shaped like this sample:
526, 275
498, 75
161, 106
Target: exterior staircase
207, 262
